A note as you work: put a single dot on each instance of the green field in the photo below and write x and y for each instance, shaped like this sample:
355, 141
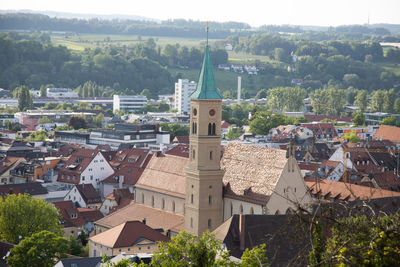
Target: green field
82, 41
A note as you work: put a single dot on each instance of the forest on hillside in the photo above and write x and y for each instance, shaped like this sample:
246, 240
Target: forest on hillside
32, 59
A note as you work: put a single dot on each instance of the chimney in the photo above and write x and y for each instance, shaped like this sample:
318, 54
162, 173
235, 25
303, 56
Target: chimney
121, 181
239, 89
242, 227
144, 221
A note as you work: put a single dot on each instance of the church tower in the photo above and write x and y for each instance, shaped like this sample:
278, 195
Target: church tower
203, 203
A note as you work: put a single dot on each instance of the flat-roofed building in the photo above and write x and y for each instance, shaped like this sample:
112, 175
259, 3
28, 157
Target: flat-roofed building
129, 103
183, 90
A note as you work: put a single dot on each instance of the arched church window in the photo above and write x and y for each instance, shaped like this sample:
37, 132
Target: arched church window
191, 198
213, 129
211, 155
209, 129
209, 223
173, 206
209, 199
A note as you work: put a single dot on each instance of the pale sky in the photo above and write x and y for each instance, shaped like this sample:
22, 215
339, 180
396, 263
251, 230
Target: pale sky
256, 12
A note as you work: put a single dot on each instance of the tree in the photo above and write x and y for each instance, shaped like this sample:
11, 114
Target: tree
388, 101
232, 134
361, 100
41, 249
41, 135
24, 98
162, 107
328, 101
351, 137
22, 215
389, 121
378, 99
262, 94
397, 105
99, 119
44, 119
362, 241
187, 250
43, 91
286, 98
175, 129
146, 93
264, 121
358, 119
77, 123
74, 246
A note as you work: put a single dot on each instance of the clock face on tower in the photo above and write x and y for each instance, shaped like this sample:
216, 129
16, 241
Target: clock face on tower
212, 112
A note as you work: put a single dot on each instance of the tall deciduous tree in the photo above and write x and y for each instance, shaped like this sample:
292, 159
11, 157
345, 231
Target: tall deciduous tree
286, 98
378, 100
24, 98
42, 249
266, 120
362, 100
388, 101
22, 215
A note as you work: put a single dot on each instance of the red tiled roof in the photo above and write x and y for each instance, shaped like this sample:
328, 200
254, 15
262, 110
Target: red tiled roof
344, 191
312, 118
129, 163
180, 150
88, 193
386, 132
7, 163
127, 234
321, 128
76, 216
181, 139
225, 124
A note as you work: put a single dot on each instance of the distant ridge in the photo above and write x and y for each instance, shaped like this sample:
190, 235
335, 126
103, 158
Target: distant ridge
80, 15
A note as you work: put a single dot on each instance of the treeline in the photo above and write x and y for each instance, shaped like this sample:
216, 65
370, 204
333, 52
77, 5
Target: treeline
183, 28
176, 28
113, 70
339, 64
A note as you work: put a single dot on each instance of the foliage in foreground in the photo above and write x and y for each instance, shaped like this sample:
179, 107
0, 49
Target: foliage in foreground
22, 215
186, 249
41, 249
359, 241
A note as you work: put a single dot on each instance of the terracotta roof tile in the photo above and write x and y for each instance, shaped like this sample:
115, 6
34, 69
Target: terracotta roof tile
255, 167
345, 191
156, 219
165, 173
127, 234
386, 132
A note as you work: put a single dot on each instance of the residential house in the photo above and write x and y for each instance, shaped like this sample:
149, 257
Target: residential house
76, 219
80, 262
128, 166
84, 166
129, 237
322, 130
387, 132
35, 190
332, 191
7, 164
118, 199
166, 222
85, 196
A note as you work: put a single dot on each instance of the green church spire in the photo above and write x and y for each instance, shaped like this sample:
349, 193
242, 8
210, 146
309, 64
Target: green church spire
206, 88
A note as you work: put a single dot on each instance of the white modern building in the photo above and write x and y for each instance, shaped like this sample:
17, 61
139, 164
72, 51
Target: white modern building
129, 103
183, 90
61, 93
